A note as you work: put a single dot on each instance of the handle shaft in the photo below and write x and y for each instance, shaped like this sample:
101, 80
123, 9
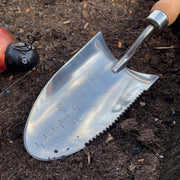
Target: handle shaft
140, 40
169, 7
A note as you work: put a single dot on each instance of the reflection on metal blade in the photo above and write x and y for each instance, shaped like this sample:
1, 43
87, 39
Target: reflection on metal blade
81, 100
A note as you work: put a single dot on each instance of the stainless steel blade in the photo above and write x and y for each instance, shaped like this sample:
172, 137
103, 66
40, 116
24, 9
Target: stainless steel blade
81, 100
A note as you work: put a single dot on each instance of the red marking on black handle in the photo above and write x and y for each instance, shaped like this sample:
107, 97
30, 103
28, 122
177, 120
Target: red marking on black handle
5, 39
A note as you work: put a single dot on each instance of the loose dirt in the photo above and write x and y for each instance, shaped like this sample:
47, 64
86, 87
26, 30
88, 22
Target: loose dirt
137, 146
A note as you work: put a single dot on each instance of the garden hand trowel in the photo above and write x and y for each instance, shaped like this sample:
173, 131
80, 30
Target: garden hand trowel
89, 93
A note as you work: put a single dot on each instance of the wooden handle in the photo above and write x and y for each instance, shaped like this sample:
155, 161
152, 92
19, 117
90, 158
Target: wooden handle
170, 7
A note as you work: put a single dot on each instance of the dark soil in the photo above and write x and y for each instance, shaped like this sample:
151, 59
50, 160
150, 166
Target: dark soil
140, 145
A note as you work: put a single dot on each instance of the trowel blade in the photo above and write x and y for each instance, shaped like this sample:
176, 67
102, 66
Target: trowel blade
81, 100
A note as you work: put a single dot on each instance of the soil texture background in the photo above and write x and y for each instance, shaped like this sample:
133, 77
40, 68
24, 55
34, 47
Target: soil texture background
138, 145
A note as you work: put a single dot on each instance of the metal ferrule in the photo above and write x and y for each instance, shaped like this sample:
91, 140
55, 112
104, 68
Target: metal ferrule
158, 19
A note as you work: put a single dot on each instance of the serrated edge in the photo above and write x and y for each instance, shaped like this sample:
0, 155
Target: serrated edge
115, 120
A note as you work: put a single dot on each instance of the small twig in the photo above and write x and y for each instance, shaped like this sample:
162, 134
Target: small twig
92, 3
89, 158
170, 47
74, 51
2, 112
15, 83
